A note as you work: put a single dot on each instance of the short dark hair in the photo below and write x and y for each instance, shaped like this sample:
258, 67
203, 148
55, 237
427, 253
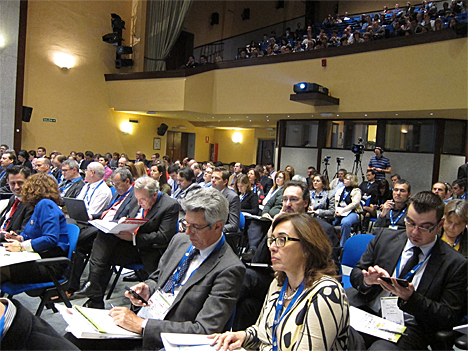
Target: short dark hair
404, 181
461, 182
18, 170
42, 148
11, 155
302, 185
186, 173
173, 168
370, 171
396, 175
89, 153
224, 172
426, 201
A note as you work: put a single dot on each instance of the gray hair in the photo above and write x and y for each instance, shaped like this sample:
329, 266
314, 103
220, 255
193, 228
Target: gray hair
147, 183
124, 174
457, 207
97, 168
71, 163
209, 200
299, 178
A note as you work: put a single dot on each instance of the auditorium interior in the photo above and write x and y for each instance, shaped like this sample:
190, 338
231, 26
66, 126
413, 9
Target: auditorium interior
407, 94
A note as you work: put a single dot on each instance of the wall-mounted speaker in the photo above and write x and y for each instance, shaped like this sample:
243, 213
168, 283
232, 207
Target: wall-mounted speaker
162, 129
27, 112
246, 14
214, 18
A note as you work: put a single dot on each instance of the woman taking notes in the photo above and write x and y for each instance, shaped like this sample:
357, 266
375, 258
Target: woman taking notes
306, 308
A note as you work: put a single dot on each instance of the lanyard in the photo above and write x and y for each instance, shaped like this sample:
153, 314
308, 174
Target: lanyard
2, 321
255, 188
394, 221
242, 197
344, 194
121, 197
64, 188
314, 193
415, 268
86, 194
279, 308
177, 279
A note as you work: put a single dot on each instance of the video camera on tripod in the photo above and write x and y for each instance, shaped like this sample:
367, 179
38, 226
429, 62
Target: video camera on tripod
358, 148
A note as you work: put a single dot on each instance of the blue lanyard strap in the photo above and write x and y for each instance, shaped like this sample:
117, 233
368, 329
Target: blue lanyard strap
120, 197
2, 321
395, 221
86, 194
414, 269
279, 309
242, 197
177, 278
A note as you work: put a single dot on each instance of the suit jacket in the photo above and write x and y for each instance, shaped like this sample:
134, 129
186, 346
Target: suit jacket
275, 204
205, 303
20, 218
28, 332
232, 224
440, 299
267, 184
127, 205
75, 189
161, 225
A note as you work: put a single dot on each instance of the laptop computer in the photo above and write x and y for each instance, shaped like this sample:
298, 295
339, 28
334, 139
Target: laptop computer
76, 209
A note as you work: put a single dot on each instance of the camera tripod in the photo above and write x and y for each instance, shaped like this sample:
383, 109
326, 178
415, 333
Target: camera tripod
357, 165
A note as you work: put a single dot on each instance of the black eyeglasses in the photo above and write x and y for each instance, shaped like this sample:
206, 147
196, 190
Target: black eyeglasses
192, 227
413, 226
280, 241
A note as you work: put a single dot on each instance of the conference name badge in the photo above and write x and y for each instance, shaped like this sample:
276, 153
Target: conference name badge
158, 306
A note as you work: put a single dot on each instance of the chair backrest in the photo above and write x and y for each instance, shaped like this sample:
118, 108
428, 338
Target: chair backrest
73, 234
354, 248
241, 221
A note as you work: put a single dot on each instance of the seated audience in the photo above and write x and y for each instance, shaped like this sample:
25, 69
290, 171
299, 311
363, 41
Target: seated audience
266, 181
347, 206
256, 183
322, 201
459, 188
454, 230
443, 190
95, 193
23, 159
16, 214
46, 232
248, 198
158, 172
435, 298
316, 313
128, 248
202, 293
219, 181
274, 202
393, 212
7, 160
72, 182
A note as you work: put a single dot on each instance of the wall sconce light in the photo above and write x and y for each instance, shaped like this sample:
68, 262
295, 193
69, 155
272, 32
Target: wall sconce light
2, 42
64, 61
237, 137
126, 127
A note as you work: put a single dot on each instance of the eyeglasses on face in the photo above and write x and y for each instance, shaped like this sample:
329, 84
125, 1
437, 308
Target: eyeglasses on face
279, 241
195, 229
413, 226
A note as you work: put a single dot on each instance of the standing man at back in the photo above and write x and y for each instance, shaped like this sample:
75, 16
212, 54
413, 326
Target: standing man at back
379, 164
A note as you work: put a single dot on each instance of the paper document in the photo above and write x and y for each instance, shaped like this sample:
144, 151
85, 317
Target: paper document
373, 325
8, 258
91, 323
192, 342
128, 225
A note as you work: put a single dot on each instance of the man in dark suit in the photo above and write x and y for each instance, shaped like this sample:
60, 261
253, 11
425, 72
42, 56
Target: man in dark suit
146, 244
72, 181
204, 295
436, 296
7, 160
123, 201
219, 181
22, 330
16, 215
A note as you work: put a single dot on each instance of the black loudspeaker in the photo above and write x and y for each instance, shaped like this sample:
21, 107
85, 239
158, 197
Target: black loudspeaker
27, 112
246, 14
162, 129
214, 18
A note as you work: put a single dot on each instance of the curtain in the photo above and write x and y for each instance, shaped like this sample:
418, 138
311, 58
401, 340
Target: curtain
165, 23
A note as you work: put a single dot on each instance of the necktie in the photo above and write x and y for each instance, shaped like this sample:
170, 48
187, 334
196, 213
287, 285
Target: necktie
12, 212
181, 270
413, 261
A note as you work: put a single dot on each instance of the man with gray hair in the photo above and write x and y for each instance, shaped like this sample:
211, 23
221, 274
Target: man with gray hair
199, 274
126, 248
95, 194
72, 181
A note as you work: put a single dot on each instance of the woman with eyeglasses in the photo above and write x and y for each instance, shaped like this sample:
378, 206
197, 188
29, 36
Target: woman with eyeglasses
455, 225
322, 201
274, 200
347, 206
305, 308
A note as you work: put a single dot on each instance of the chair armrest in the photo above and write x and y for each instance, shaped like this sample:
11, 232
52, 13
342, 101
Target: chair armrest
52, 261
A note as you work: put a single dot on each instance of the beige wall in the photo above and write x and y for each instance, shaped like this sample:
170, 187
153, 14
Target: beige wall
262, 14
244, 152
375, 81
